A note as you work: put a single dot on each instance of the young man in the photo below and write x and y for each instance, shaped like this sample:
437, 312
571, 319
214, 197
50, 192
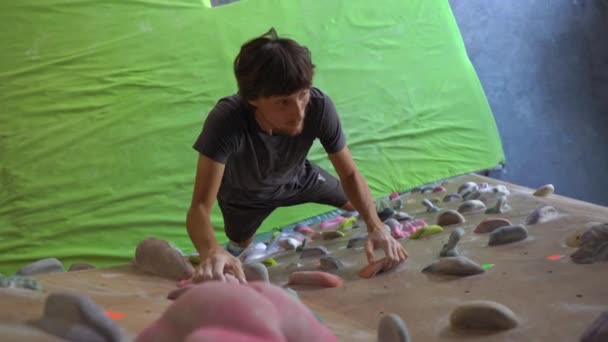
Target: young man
252, 156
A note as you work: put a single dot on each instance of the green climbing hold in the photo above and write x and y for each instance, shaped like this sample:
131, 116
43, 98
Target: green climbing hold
332, 234
269, 262
426, 231
23, 282
349, 222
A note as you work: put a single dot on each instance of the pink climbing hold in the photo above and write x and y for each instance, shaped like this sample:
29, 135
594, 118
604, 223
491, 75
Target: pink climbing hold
439, 189
412, 226
315, 278
394, 196
332, 222
305, 230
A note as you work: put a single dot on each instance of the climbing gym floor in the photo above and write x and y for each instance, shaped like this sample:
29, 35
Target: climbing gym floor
553, 298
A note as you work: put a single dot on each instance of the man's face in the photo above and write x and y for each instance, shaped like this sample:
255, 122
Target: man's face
284, 115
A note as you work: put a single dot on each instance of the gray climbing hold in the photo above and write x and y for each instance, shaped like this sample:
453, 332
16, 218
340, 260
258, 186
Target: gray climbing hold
49, 265
329, 263
468, 187
385, 214
450, 249
332, 234
452, 197
598, 330
457, 266
256, 271
500, 207
594, 245
402, 216
509, 234
542, 214
449, 217
483, 315
430, 207
23, 282
471, 206
397, 204
544, 190
316, 251
392, 223
75, 317
392, 329
357, 241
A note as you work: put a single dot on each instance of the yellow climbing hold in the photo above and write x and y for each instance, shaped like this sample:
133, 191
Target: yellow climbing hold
574, 239
269, 262
426, 231
349, 222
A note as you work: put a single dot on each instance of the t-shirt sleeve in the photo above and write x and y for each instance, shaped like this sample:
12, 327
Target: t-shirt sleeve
330, 130
219, 137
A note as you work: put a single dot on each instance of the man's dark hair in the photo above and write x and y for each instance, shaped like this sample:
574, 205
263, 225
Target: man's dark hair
272, 66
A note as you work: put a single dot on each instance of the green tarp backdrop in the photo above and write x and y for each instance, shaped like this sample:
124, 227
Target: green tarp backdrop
101, 101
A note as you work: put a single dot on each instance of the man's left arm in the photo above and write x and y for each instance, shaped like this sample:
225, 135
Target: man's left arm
358, 193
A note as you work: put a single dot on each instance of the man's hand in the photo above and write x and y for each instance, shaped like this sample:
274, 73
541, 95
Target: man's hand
213, 264
379, 237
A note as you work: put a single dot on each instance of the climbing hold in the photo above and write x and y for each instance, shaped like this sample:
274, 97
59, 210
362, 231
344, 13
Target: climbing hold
332, 234
316, 251
349, 214
80, 267
49, 265
397, 204
542, 214
490, 224
327, 224
509, 234
293, 266
402, 216
315, 278
430, 207
256, 271
302, 246
483, 315
471, 206
394, 196
385, 214
412, 226
598, 330
457, 266
392, 329
439, 189
449, 217
450, 249
468, 187
594, 245
426, 189
574, 239
373, 269
269, 262
393, 224
349, 222
289, 243
357, 241
452, 197
426, 231
157, 257
500, 207
305, 230
75, 317
329, 263
544, 190
17, 281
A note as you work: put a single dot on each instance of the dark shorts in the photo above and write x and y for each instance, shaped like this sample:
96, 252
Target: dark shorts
241, 221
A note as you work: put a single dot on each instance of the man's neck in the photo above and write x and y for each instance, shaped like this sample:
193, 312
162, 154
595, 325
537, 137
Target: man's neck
264, 126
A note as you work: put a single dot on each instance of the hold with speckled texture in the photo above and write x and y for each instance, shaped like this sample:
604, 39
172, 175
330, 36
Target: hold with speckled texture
456, 266
574, 239
450, 249
500, 207
329, 263
49, 265
256, 271
157, 257
490, 224
23, 282
315, 251
392, 329
75, 317
471, 206
509, 234
544, 190
468, 187
598, 330
452, 197
357, 241
542, 214
449, 217
594, 245
430, 207
483, 315
426, 231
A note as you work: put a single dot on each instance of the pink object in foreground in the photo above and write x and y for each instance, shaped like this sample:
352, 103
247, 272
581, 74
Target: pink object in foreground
316, 278
216, 311
332, 222
186, 285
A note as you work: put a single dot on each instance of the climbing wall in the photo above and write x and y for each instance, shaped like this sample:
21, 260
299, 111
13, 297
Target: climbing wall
534, 277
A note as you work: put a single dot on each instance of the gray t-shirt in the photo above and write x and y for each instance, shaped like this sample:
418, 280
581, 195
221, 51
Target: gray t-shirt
260, 167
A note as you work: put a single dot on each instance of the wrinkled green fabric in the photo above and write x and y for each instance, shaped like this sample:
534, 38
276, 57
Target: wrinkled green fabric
100, 102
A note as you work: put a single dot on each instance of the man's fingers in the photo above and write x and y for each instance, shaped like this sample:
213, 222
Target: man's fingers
369, 251
238, 272
218, 269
